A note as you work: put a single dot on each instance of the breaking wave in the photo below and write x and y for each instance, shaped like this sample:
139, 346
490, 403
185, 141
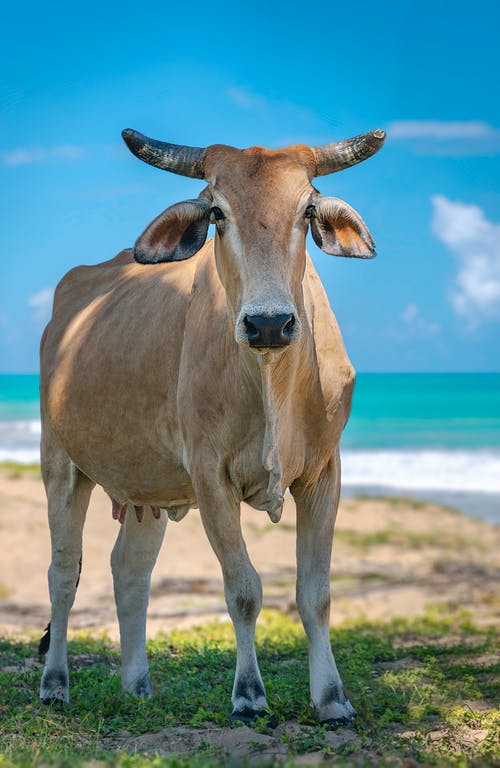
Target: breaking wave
471, 471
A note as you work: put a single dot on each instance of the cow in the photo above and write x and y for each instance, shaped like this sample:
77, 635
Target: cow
188, 372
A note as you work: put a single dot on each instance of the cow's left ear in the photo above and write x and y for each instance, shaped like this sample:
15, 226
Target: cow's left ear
338, 229
176, 234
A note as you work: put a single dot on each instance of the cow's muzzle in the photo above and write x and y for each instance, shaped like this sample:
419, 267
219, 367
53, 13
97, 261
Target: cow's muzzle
269, 332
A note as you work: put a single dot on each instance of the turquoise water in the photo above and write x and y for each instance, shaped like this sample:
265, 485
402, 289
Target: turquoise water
19, 397
431, 436
454, 410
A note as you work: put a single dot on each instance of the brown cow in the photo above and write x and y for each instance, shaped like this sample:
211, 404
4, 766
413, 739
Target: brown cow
215, 376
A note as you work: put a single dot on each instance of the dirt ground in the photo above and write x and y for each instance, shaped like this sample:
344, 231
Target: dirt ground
392, 557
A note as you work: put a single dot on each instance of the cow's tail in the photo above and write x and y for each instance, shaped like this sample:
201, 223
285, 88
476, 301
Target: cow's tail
43, 645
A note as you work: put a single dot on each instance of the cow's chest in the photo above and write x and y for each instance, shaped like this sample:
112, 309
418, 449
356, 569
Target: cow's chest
229, 443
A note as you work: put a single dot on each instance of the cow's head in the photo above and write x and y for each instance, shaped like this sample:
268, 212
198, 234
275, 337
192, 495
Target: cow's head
262, 203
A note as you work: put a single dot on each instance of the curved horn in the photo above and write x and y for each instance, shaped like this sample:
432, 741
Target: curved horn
176, 158
342, 154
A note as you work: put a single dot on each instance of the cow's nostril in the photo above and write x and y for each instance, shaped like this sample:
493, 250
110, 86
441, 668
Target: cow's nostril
269, 331
252, 331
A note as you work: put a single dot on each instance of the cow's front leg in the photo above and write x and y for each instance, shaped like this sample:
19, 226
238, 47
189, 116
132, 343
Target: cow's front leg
243, 591
132, 561
316, 511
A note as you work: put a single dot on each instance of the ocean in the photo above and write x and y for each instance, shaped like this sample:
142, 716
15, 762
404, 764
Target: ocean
426, 436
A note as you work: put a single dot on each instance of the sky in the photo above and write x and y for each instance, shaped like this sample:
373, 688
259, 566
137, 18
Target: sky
73, 76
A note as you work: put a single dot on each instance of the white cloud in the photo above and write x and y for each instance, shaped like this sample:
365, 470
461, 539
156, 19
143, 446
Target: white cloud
32, 155
440, 129
448, 137
409, 313
475, 243
246, 99
41, 304
416, 323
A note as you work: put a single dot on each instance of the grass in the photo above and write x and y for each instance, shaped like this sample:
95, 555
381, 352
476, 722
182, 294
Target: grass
396, 502
425, 691
15, 470
394, 536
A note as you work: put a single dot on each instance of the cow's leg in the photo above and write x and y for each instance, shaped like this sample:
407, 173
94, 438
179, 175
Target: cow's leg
243, 591
132, 561
316, 511
68, 494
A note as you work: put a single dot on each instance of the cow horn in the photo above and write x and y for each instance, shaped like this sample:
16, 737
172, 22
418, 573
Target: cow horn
342, 154
176, 158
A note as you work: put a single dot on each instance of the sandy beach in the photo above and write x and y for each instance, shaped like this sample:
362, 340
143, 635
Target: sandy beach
392, 557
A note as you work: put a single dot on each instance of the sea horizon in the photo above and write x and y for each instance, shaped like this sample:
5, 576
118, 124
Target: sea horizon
428, 436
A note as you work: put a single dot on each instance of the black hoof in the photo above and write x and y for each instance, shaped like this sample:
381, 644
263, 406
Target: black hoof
248, 716
338, 722
142, 687
54, 701
54, 688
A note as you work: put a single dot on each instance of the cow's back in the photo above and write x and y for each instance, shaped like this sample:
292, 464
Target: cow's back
109, 373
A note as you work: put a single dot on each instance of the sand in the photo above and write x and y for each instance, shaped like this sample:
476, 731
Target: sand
392, 557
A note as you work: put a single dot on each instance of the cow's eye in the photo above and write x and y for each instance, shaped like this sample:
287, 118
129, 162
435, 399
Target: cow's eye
309, 211
216, 214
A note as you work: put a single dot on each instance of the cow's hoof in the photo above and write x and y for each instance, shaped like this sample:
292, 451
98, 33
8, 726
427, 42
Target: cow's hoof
54, 701
248, 716
334, 724
344, 714
54, 688
141, 687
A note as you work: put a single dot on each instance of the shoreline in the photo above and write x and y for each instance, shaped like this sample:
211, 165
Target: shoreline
479, 506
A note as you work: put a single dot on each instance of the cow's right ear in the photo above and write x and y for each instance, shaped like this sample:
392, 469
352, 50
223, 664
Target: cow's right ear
176, 234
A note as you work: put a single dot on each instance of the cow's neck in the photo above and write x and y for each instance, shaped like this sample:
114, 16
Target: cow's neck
276, 376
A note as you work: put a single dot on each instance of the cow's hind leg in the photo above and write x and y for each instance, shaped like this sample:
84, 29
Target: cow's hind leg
316, 511
243, 591
68, 494
132, 562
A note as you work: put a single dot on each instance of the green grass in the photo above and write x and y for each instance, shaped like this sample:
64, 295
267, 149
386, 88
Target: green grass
395, 536
397, 502
425, 691
15, 470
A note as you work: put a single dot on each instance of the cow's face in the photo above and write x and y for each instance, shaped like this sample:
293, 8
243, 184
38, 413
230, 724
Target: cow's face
261, 203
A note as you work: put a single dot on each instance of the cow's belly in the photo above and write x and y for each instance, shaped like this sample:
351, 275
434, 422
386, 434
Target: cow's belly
141, 466
119, 426
164, 483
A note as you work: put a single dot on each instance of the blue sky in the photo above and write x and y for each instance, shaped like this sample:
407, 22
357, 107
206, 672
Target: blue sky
264, 73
